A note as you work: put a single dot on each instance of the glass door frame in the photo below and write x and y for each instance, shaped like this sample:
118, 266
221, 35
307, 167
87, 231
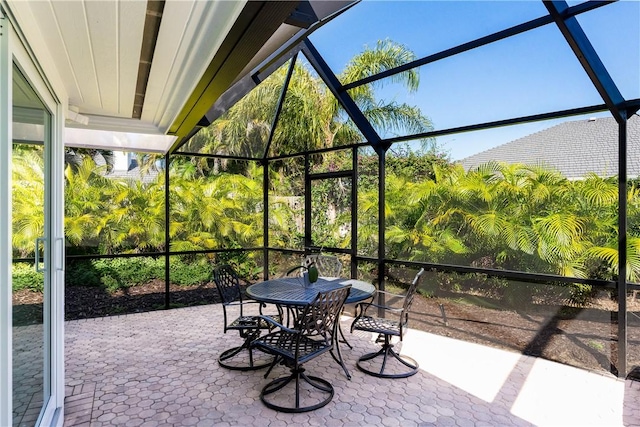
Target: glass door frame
13, 51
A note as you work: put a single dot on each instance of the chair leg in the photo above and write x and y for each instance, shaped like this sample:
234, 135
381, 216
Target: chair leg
298, 377
230, 353
385, 351
276, 359
226, 356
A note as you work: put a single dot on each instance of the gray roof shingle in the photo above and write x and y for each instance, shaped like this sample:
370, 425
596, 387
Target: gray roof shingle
574, 148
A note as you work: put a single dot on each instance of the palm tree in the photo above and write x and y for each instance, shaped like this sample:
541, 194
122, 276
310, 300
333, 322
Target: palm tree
28, 200
218, 211
311, 117
423, 217
603, 215
243, 130
143, 207
386, 117
519, 216
89, 211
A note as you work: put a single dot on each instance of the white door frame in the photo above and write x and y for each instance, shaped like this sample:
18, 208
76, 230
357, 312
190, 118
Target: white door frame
12, 50
6, 375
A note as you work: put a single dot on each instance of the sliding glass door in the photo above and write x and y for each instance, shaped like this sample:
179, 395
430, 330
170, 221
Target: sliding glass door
31, 239
31, 247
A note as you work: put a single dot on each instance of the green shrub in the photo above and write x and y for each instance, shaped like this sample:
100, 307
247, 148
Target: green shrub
115, 273
118, 273
581, 294
81, 273
243, 263
126, 272
24, 276
185, 273
113, 283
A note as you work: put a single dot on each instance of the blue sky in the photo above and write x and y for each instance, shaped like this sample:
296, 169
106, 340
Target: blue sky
527, 74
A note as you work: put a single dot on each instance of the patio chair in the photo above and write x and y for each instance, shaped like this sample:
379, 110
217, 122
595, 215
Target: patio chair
386, 328
311, 336
327, 265
249, 326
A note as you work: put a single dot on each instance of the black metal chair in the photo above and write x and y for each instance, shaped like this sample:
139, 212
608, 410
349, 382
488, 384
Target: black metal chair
249, 326
327, 265
386, 328
311, 336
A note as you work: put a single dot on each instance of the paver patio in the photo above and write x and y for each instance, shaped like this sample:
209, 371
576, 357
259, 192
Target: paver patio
160, 368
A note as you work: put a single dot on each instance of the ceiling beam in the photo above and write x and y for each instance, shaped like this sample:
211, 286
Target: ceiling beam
588, 57
149, 39
482, 41
343, 97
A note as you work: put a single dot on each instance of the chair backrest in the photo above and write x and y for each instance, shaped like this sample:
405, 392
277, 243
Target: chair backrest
320, 317
411, 292
227, 283
327, 265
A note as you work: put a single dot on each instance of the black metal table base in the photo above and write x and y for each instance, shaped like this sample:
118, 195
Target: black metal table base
343, 339
340, 361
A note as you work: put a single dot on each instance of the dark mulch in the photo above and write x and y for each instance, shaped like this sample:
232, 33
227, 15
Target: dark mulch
84, 302
581, 337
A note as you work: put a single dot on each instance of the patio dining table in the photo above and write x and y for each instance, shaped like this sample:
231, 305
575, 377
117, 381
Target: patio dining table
292, 292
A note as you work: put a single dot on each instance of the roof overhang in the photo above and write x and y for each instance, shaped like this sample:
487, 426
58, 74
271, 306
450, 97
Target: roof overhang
154, 67
221, 87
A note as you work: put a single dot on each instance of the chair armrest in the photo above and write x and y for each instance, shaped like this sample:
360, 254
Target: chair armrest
277, 306
391, 294
262, 305
252, 301
271, 321
385, 307
364, 306
246, 302
292, 269
232, 303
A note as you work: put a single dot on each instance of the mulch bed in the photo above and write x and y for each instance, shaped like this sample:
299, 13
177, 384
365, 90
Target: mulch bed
581, 337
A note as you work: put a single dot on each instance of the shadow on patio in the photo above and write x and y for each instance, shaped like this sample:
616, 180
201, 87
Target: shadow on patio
160, 368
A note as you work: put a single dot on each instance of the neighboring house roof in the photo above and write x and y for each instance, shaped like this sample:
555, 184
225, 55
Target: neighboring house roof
574, 148
129, 171
134, 175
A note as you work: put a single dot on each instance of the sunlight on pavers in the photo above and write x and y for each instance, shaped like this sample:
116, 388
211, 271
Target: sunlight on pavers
562, 395
479, 370
540, 391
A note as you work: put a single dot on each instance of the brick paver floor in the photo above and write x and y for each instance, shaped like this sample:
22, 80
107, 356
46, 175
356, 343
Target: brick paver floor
160, 369
27, 374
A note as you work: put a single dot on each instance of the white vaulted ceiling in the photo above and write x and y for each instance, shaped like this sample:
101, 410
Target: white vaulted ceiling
92, 45
95, 48
118, 74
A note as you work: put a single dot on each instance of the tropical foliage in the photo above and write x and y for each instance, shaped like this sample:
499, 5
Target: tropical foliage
516, 217
504, 216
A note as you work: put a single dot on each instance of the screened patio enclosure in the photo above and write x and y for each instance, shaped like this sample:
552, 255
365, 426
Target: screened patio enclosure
307, 155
